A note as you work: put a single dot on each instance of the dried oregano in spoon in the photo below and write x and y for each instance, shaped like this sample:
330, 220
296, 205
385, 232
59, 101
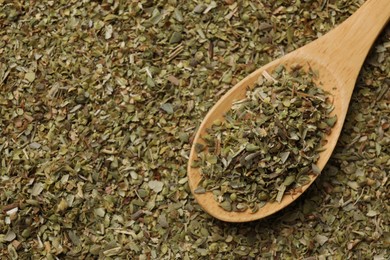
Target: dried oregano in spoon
269, 142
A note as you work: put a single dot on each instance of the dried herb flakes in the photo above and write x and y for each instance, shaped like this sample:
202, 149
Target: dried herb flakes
82, 91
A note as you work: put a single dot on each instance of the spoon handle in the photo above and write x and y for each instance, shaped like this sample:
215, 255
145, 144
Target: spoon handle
343, 50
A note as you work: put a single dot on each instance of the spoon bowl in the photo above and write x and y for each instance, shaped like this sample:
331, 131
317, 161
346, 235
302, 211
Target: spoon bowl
337, 57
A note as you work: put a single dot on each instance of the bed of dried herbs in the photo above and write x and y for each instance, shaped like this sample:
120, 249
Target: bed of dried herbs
268, 143
99, 101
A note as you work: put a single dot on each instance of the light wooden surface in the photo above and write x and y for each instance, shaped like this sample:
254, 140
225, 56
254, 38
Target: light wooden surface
338, 56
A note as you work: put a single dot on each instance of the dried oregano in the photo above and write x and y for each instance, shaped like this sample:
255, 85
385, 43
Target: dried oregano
268, 143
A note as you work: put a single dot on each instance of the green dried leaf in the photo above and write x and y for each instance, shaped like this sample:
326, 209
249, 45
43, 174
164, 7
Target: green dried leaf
37, 189
281, 190
331, 121
167, 107
176, 37
289, 180
372, 213
226, 205
10, 236
30, 76
315, 169
156, 186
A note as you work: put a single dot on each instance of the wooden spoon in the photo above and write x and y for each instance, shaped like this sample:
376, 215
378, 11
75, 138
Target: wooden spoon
338, 57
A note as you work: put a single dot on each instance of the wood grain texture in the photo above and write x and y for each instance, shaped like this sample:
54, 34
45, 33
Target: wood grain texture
338, 56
